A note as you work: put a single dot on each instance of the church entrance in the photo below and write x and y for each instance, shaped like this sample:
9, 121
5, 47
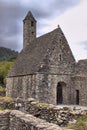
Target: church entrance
59, 94
77, 97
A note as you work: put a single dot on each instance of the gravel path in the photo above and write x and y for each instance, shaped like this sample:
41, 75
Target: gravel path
73, 107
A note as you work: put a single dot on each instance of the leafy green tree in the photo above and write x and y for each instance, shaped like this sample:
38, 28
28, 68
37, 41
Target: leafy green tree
5, 67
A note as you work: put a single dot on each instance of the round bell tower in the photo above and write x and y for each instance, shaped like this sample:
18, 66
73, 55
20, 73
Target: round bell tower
29, 29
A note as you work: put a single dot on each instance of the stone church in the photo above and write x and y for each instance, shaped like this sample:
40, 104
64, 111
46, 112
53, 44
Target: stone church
46, 69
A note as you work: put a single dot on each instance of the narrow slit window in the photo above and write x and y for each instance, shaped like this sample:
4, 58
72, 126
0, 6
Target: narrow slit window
60, 40
32, 23
32, 33
60, 57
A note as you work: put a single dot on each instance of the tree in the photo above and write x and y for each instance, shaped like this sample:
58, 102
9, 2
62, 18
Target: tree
5, 67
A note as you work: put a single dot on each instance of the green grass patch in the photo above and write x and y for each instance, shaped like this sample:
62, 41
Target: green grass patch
83, 118
2, 109
81, 124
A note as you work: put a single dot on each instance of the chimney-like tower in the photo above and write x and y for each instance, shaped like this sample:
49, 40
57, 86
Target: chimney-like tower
29, 29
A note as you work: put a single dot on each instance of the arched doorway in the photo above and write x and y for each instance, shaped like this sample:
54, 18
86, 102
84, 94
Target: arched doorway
59, 93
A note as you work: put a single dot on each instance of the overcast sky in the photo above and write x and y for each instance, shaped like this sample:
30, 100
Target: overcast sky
69, 14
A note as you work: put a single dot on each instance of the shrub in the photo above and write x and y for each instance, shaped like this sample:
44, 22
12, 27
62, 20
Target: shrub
5, 67
2, 89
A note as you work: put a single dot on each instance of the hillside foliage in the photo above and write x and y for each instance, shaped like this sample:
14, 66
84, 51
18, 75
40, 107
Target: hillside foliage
7, 58
7, 54
5, 67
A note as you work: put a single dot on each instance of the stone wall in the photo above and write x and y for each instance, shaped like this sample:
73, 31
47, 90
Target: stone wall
16, 120
4, 120
51, 113
80, 85
19, 120
21, 87
46, 88
7, 103
3, 93
42, 87
29, 29
43, 116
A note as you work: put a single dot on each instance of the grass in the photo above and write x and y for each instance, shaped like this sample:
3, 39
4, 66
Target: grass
83, 118
81, 124
42, 104
2, 109
7, 99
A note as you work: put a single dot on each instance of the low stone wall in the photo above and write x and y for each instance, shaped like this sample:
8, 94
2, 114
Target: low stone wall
4, 120
16, 120
51, 113
22, 121
7, 103
42, 115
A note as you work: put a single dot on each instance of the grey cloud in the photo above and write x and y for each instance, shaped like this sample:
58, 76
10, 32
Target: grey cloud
84, 44
64, 4
10, 15
13, 12
52, 8
9, 42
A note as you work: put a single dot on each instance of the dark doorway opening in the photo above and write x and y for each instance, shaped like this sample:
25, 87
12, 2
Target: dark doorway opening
77, 97
59, 94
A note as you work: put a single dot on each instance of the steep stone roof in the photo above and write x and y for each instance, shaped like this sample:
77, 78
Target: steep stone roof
38, 54
29, 16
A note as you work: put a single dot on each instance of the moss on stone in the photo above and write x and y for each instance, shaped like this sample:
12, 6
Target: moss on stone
42, 104
2, 108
